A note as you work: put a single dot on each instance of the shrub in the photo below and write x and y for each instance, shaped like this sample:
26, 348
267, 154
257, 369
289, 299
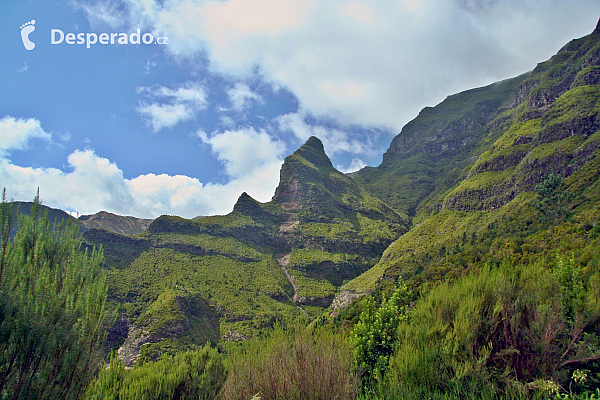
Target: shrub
190, 375
374, 336
500, 331
52, 302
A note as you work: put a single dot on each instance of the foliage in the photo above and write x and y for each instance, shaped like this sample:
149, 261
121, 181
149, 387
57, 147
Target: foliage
52, 302
190, 375
374, 337
501, 330
552, 197
291, 364
248, 294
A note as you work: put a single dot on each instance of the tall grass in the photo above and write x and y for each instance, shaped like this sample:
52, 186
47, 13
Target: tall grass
291, 364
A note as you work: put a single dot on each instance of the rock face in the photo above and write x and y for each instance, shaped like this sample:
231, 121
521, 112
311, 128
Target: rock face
170, 317
312, 191
115, 223
551, 127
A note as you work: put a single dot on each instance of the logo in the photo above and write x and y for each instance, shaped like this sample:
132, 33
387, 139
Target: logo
57, 36
26, 29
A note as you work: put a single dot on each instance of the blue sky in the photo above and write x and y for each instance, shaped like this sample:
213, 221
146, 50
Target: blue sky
183, 128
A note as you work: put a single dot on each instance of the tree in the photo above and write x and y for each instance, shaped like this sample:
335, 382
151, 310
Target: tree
52, 308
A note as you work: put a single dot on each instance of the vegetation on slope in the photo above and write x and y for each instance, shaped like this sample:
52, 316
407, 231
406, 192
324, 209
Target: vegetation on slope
241, 272
549, 125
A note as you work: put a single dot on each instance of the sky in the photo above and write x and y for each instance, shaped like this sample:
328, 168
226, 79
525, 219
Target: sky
207, 100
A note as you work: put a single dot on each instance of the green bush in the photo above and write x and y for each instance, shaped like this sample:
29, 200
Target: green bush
374, 336
190, 375
52, 309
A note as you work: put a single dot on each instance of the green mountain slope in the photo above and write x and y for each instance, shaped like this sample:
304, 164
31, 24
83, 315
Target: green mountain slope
431, 153
523, 182
183, 281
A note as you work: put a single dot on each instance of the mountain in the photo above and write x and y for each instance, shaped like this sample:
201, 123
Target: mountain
184, 281
432, 151
508, 169
116, 223
54, 214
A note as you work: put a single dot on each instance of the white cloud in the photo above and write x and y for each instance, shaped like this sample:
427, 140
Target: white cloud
92, 183
242, 97
171, 106
16, 133
149, 66
354, 166
334, 140
357, 11
103, 13
24, 68
246, 150
376, 63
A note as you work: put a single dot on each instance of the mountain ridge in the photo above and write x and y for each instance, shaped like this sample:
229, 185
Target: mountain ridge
263, 262
546, 127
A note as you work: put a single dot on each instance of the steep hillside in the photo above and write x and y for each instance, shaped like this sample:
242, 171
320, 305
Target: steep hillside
433, 151
528, 182
225, 277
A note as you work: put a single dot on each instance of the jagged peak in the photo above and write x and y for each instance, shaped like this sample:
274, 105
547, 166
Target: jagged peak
597, 30
246, 204
314, 152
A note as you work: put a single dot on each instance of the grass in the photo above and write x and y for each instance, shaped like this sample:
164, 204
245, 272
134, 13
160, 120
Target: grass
291, 364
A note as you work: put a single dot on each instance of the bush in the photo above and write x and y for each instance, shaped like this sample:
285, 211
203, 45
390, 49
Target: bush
291, 365
190, 375
374, 336
52, 309
497, 333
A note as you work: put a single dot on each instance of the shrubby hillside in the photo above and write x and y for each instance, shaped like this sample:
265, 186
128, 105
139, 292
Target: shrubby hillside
224, 278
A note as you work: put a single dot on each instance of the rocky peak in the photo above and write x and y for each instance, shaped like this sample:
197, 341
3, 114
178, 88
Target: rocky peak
300, 168
245, 204
313, 152
125, 225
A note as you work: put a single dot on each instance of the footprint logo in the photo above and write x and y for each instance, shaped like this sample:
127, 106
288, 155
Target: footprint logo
26, 29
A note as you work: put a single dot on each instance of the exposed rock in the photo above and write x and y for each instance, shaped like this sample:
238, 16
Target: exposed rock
344, 299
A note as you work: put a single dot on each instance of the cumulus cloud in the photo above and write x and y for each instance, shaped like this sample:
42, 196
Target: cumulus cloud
334, 140
242, 97
245, 150
168, 106
91, 183
368, 63
15, 134
354, 166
